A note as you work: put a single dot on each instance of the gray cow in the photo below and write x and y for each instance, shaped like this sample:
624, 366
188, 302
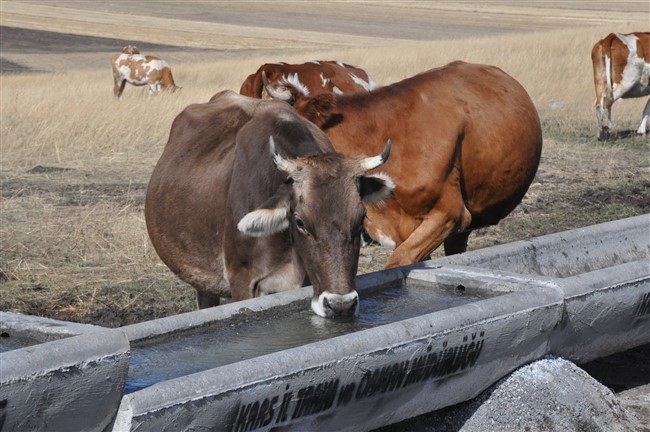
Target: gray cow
249, 199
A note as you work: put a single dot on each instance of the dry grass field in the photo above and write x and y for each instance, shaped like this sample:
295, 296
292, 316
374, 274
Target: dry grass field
75, 161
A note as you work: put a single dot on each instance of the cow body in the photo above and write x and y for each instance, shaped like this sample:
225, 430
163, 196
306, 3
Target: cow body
232, 219
621, 65
308, 79
132, 67
467, 144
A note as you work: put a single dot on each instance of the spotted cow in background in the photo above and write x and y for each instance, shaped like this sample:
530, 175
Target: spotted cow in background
132, 67
291, 81
621, 70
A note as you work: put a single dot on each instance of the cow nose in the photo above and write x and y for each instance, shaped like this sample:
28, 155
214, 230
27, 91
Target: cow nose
336, 305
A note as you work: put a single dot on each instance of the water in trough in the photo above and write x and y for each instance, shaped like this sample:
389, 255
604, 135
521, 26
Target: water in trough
251, 335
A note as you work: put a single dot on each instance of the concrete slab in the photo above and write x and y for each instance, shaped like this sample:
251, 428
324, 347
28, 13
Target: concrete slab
604, 271
69, 384
568, 253
19, 331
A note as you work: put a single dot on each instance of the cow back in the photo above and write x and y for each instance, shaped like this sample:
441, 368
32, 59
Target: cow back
309, 78
470, 118
189, 185
617, 52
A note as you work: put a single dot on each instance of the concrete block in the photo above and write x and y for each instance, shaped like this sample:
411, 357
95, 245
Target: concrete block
70, 384
567, 253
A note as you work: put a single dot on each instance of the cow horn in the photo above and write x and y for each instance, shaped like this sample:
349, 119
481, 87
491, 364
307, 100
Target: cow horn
281, 163
284, 95
375, 161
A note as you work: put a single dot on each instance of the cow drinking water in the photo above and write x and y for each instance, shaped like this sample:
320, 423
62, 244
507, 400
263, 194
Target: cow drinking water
132, 67
249, 199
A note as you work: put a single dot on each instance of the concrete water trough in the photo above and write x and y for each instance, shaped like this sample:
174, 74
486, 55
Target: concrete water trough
428, 336
57, 376
446, 331
604, 272
448, 336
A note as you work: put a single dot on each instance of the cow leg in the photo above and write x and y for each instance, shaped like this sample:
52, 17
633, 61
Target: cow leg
604, 114
644, 120
154, 88
118, 88
431, 233
456, 243
206, 300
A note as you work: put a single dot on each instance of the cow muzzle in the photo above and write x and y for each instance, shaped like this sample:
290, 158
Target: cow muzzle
330, 305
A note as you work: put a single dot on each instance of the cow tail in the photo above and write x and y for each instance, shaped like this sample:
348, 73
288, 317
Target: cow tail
168, 79
602, 68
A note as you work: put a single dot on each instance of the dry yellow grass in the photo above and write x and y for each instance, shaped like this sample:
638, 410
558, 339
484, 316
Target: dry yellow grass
67, 118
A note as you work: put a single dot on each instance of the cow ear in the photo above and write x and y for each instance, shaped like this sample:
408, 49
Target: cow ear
317, 109
270, 218
249, 87
375, 188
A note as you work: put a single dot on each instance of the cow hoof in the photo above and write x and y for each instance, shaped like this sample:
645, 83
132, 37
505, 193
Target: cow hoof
604, 135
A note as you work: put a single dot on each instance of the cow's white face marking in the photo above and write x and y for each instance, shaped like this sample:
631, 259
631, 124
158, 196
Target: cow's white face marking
337, 90
318, 304
293, 80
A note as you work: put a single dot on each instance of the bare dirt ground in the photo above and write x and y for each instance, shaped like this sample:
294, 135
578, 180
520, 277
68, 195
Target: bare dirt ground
36, 36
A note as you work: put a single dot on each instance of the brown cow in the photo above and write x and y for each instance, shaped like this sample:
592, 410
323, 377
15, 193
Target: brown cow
467, 143
295, 80
132, 67
231, 219
621, 70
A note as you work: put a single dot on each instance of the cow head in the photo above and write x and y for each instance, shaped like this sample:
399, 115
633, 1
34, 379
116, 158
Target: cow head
130, 50
321, 204
289, 91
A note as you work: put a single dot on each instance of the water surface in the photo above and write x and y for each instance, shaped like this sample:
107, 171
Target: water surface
282, 328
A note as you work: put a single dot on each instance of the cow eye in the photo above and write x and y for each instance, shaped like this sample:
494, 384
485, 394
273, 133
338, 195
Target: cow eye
300, 225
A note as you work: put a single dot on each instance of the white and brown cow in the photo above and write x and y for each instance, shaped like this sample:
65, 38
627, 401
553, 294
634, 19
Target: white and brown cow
234, 219
297, 80
621, 70
132, 67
